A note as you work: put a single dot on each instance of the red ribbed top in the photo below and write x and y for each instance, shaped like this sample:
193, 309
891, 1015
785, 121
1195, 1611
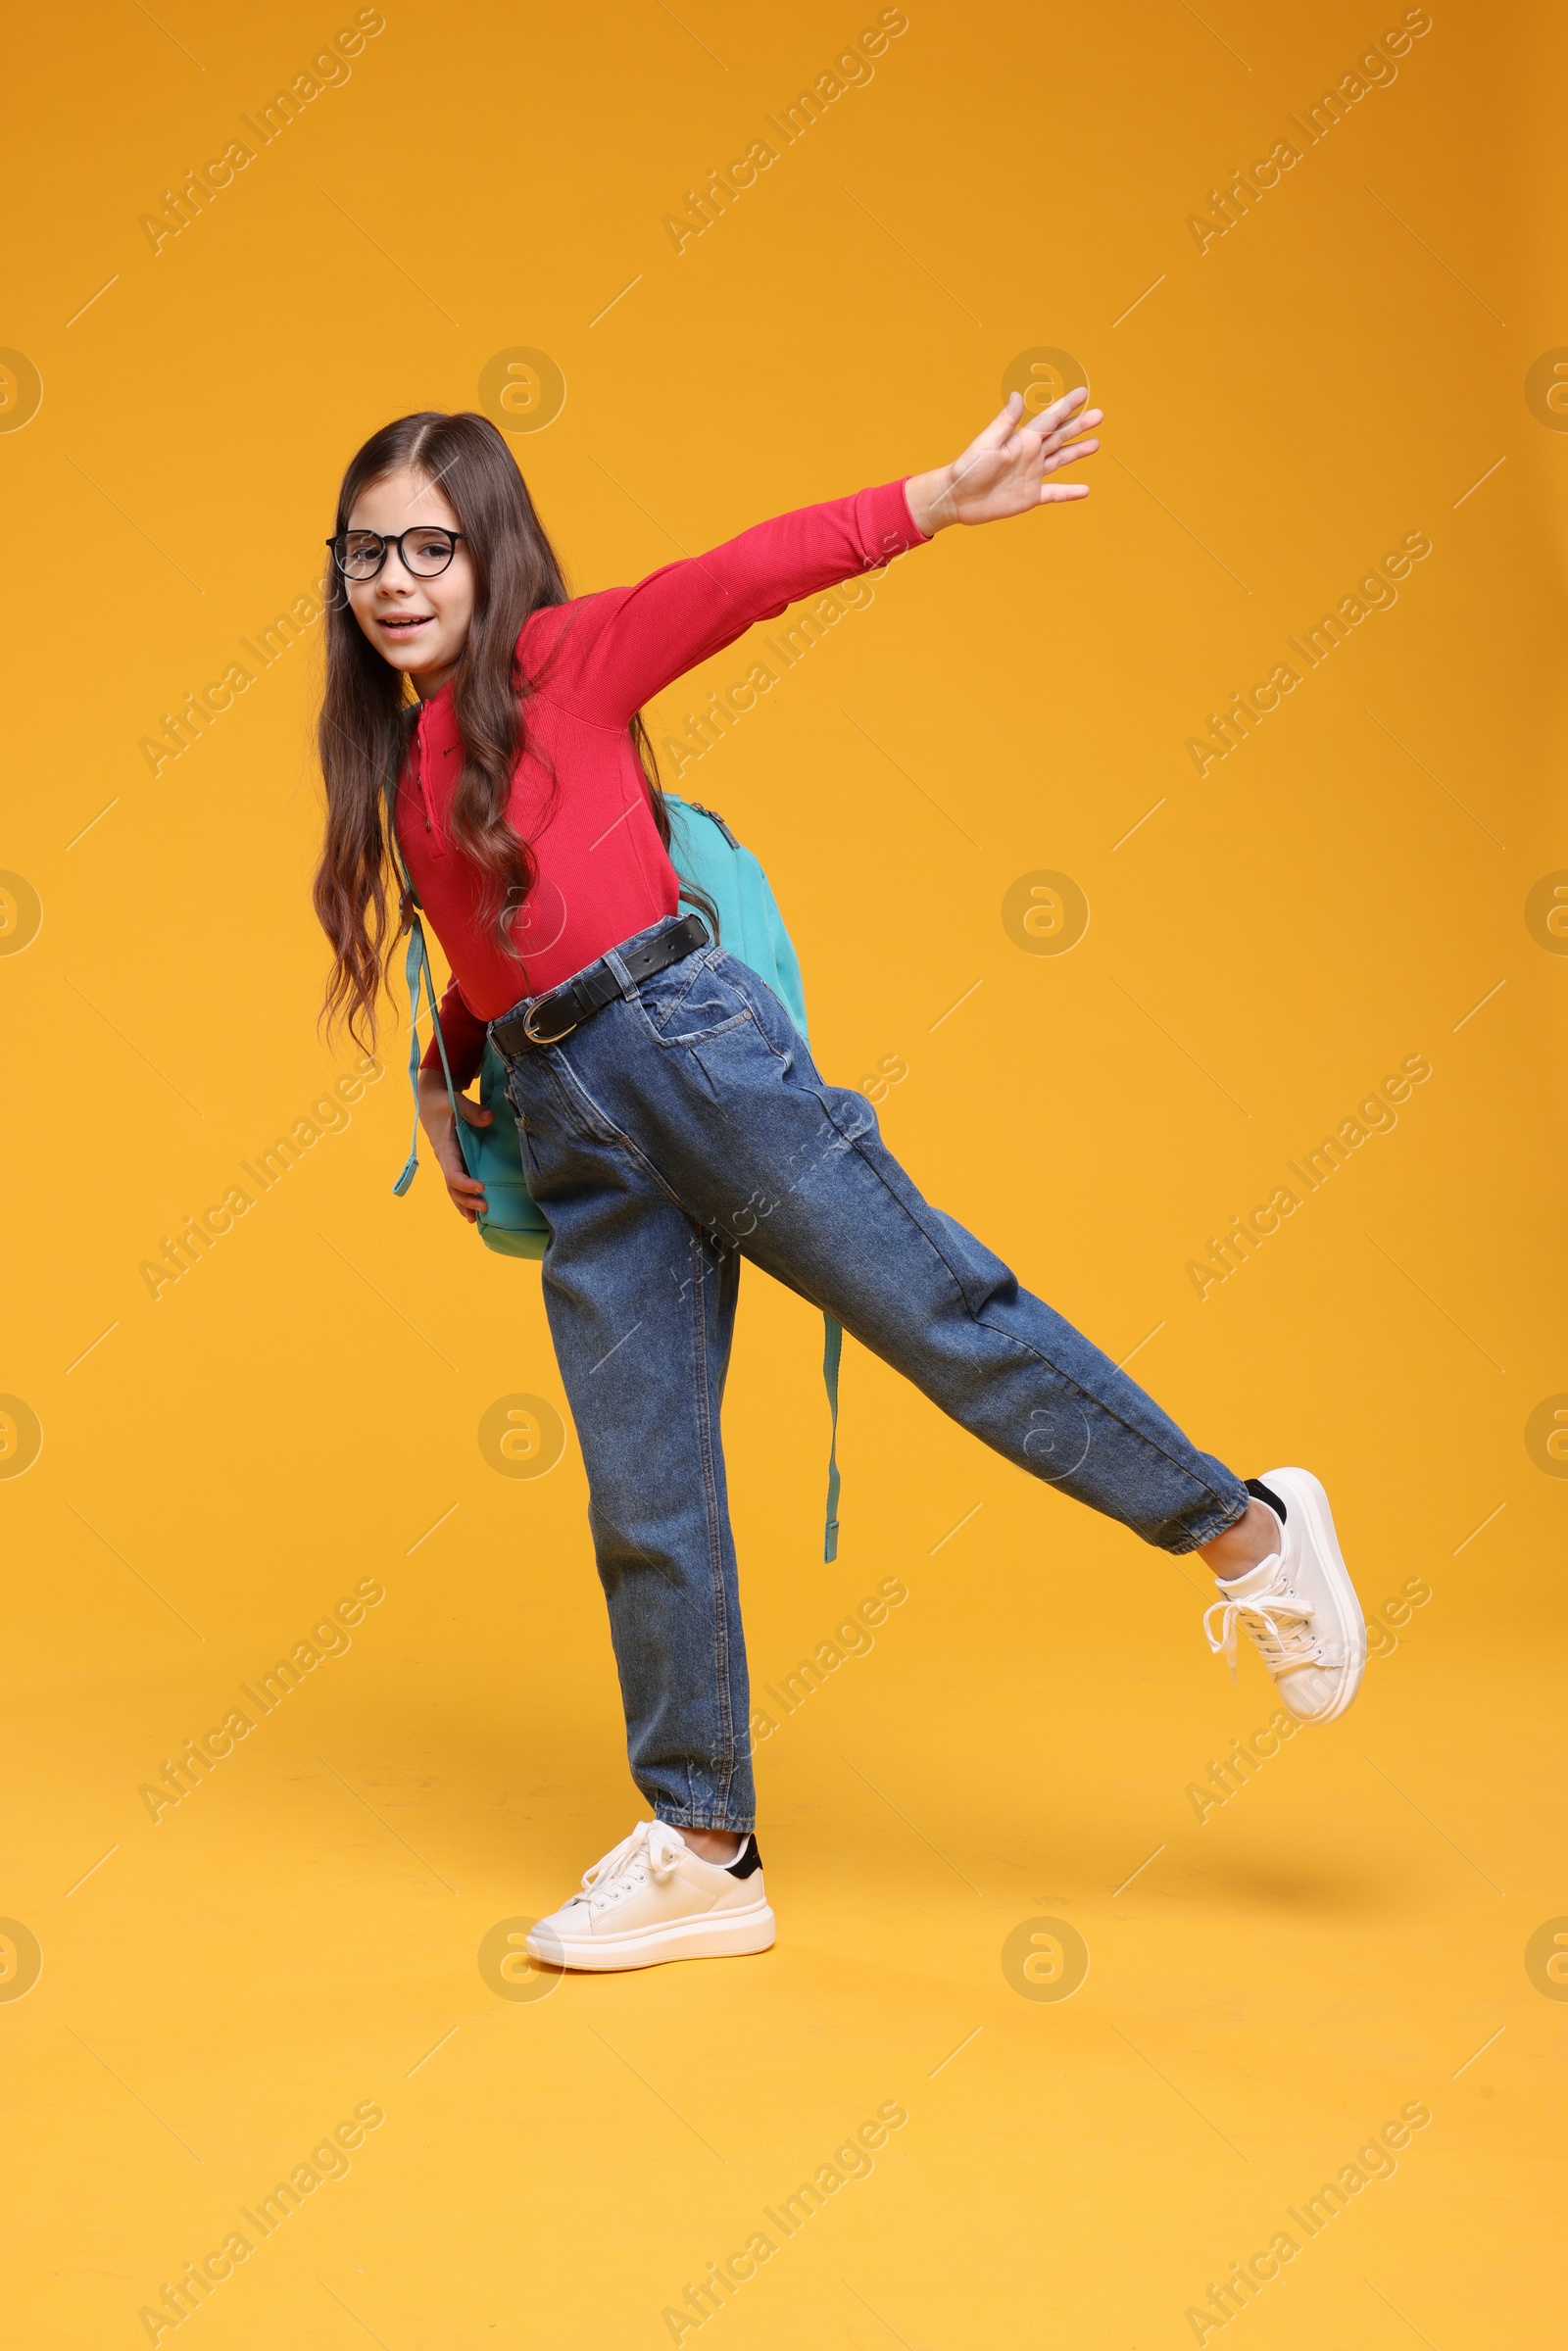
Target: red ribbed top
577, 793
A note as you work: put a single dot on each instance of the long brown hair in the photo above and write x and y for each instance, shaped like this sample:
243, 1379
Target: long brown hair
361, 733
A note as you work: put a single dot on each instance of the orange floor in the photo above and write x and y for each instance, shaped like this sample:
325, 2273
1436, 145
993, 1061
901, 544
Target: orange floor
1129, 2045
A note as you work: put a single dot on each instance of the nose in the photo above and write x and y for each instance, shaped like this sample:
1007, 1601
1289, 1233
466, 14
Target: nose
395, 573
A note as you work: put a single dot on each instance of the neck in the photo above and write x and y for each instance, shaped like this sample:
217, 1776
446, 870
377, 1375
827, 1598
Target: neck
427, 682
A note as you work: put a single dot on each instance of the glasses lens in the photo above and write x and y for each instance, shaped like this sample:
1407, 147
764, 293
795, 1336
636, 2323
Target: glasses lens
358, 553
427, 552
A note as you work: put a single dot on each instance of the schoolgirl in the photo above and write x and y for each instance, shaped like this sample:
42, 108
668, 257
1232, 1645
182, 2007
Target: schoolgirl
672, 1121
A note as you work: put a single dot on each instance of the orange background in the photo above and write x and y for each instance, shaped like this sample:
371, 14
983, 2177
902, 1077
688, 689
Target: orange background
300, 1413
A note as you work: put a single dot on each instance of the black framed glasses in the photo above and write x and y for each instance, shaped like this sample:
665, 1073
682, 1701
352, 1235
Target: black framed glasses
425, 551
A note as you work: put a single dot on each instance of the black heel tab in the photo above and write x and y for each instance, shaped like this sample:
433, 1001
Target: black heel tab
1266, 1493
750, 1860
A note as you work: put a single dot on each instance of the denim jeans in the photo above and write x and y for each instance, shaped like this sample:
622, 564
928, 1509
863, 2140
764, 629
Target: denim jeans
679, 1130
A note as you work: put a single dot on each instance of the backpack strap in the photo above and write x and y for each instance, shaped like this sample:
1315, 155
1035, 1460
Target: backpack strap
417, 966
832, 1348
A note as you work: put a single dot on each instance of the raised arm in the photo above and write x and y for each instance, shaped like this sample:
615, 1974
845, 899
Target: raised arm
625, 644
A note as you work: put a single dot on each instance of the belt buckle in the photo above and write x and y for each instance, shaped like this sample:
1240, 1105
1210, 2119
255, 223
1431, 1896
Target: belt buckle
532, 1034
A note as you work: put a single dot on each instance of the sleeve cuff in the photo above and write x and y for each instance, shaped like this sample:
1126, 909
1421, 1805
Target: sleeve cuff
919, 538
888, 528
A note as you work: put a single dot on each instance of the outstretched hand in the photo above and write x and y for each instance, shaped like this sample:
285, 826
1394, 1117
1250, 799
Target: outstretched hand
1006, 470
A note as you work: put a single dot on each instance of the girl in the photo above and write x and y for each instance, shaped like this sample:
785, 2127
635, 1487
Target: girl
672, 1121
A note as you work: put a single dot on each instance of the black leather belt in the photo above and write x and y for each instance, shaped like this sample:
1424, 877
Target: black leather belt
555, 1015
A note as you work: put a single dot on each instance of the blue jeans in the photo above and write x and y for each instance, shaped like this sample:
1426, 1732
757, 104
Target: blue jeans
674, 1133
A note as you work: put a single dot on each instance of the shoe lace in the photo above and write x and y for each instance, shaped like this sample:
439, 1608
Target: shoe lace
1279, 1622
653, 1850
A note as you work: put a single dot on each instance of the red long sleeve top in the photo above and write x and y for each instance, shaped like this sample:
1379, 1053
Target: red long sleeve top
578, 794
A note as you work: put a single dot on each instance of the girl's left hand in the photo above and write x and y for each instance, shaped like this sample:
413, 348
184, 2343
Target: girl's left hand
1006, 470
465, 1192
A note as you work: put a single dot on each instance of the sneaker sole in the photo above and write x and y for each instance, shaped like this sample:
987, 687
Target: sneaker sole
726, 1935
1301, 1491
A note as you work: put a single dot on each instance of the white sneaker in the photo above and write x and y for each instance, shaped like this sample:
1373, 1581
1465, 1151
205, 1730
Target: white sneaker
1299, 1605
653, 1898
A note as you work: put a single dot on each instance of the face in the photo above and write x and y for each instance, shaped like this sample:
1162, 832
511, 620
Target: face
420, 625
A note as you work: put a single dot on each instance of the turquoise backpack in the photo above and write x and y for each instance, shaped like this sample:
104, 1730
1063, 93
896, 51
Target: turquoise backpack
707, 858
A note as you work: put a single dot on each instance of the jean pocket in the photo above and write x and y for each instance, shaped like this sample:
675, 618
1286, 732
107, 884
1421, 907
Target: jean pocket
693, 1000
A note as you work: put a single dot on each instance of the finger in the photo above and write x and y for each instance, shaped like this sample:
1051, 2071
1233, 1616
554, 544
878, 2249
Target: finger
1084, 421
1001, 427
1057, 493
1069, 455
1050, 418
473, 1113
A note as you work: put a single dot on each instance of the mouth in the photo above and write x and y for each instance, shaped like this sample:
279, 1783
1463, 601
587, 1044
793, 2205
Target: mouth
406, 625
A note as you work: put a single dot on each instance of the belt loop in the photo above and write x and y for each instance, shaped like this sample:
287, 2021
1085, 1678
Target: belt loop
616, 963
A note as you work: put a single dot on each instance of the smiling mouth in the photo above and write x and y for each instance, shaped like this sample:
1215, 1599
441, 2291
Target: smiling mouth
412, 620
